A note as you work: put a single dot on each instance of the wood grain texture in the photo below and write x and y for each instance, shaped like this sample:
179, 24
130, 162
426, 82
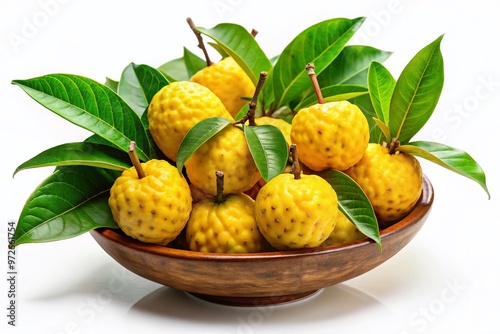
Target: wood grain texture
262, 278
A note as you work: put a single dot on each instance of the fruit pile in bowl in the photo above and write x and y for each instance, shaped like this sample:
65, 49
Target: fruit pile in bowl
252, 179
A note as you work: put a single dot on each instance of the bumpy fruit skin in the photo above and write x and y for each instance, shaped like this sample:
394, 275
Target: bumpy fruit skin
226, 227
229, 82
296, 213
284, 126
344, 232
332, 135
227, 152
176, 108
155, 208
392, 182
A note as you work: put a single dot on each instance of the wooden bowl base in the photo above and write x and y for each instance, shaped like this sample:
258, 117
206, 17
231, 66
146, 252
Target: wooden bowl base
254, 301
266, 278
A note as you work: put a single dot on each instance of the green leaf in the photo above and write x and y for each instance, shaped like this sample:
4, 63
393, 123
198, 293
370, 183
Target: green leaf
265, 103
219, 49
242, 113
354, 204
268, 148
71, 201
181, 69
417, 92
448, 157
365, 104
85, 154
113, 84
238, 43
351, 66
384, 128
156, 153
95, 139
333, 93
90, 105
381, 85
197, 136
284, 113
138, 85
319, 44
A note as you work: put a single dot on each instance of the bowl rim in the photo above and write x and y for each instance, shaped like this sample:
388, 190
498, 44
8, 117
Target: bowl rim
420, 211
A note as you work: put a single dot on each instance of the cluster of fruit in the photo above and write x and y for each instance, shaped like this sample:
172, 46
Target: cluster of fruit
222, 200
311, 147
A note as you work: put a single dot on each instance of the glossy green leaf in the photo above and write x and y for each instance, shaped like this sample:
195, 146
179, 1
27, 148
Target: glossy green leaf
381, 85
448, 157
284, 113
197, 136
354, 203
268, 148
95, 139
417, 92
113, 84
333, 93
351, 66
156, 153
219, 49
384, 128
319, 44
84, 153
71, 201
238, 43
365, 104
92, 106
181, 69
138, 85
242, 113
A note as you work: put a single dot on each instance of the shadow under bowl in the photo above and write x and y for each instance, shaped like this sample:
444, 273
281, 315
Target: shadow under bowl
262, 278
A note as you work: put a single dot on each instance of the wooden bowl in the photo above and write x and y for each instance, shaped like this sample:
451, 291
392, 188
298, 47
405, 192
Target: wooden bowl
262, 278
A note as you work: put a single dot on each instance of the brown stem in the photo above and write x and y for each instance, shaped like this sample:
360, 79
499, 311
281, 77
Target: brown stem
220, 187
135, 160
254, 32
314, 80
395, 143
250, 116
201, 45
296, 164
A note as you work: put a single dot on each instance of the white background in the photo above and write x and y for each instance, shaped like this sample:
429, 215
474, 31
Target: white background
444, 281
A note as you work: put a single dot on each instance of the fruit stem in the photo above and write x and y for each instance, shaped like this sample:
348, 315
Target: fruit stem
220, 187
395, 143
314, 80
135, 160
250, 116
296, 164
254, 32
201, 45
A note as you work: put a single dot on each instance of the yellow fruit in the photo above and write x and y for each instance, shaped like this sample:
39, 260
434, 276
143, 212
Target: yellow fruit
392, 182
226, 227
153, 209
281, 124
227, 152
344, 232
176, 108
332, 135
229, 82
296, 213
